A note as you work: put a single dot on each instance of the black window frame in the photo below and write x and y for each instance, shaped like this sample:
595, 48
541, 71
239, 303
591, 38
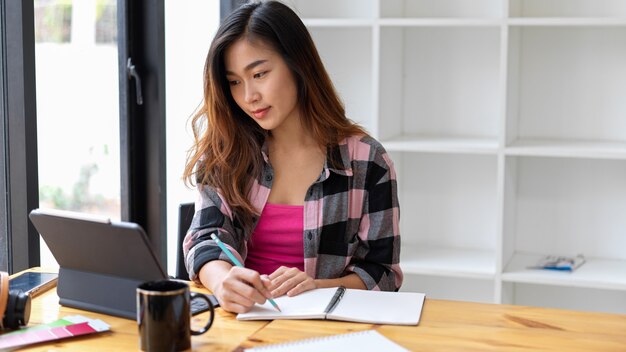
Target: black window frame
19, 137
141, 37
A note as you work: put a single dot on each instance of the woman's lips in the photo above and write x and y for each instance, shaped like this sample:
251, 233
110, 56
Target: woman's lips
260, 113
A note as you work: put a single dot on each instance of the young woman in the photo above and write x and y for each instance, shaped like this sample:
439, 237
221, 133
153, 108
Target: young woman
299, 193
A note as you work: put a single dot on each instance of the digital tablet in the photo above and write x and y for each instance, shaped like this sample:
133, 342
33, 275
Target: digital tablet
101, 262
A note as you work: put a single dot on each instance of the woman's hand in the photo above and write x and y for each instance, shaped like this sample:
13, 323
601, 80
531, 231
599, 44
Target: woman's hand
240, 289
290, 281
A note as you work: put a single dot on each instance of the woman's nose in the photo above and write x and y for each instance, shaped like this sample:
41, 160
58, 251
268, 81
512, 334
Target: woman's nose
251, 94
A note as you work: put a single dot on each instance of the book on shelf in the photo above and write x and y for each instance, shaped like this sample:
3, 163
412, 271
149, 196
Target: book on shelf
559, 263
361, 306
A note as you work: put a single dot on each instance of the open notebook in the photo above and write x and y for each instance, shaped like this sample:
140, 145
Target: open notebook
362, 341
361, 306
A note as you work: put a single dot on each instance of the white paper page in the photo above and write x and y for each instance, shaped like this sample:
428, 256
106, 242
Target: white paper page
396, 308
362, 341
307, 305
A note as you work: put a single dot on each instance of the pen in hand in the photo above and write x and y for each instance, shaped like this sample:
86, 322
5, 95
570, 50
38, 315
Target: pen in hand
237, 262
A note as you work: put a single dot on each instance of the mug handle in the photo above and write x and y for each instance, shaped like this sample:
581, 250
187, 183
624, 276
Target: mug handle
195, 295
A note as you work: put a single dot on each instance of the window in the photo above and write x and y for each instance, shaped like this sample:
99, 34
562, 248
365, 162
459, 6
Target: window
77, 108
100, 151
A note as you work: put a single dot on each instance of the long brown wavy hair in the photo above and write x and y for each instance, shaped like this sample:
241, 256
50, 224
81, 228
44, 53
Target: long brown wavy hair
226, 152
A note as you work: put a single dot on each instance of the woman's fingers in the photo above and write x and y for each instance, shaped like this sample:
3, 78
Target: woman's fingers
304, 286
290, 281
234, 302
256, 289
241, 289
278, 272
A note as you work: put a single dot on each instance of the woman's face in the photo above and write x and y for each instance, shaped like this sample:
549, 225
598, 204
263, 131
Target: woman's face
262, 84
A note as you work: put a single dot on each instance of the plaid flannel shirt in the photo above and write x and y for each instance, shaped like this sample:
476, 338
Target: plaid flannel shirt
351, 218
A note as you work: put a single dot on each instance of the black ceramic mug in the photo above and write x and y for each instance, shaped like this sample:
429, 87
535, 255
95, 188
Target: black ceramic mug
164, 315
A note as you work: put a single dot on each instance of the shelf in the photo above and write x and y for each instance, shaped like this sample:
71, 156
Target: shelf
564, 297
572, 22
333, 9
440, 81
564, 205
450, 287
447, 200
350, 70
336, 22
567, 149
567, 8
448, 261
465, 145
595, 273
439, 22
458, 9
553, 96
506, 123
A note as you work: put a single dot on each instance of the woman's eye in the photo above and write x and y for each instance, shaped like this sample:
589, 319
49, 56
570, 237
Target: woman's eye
233, 82
260, 74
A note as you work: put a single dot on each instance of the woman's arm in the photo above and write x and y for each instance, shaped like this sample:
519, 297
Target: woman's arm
348, 281
377, 259
213, 216
237, 289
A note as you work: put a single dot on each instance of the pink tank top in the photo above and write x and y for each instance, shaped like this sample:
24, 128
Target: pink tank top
277, 239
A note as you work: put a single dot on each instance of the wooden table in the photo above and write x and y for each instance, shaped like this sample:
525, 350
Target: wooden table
445, 326
466, 326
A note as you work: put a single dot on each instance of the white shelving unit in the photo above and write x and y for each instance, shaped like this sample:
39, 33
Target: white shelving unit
506, 120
